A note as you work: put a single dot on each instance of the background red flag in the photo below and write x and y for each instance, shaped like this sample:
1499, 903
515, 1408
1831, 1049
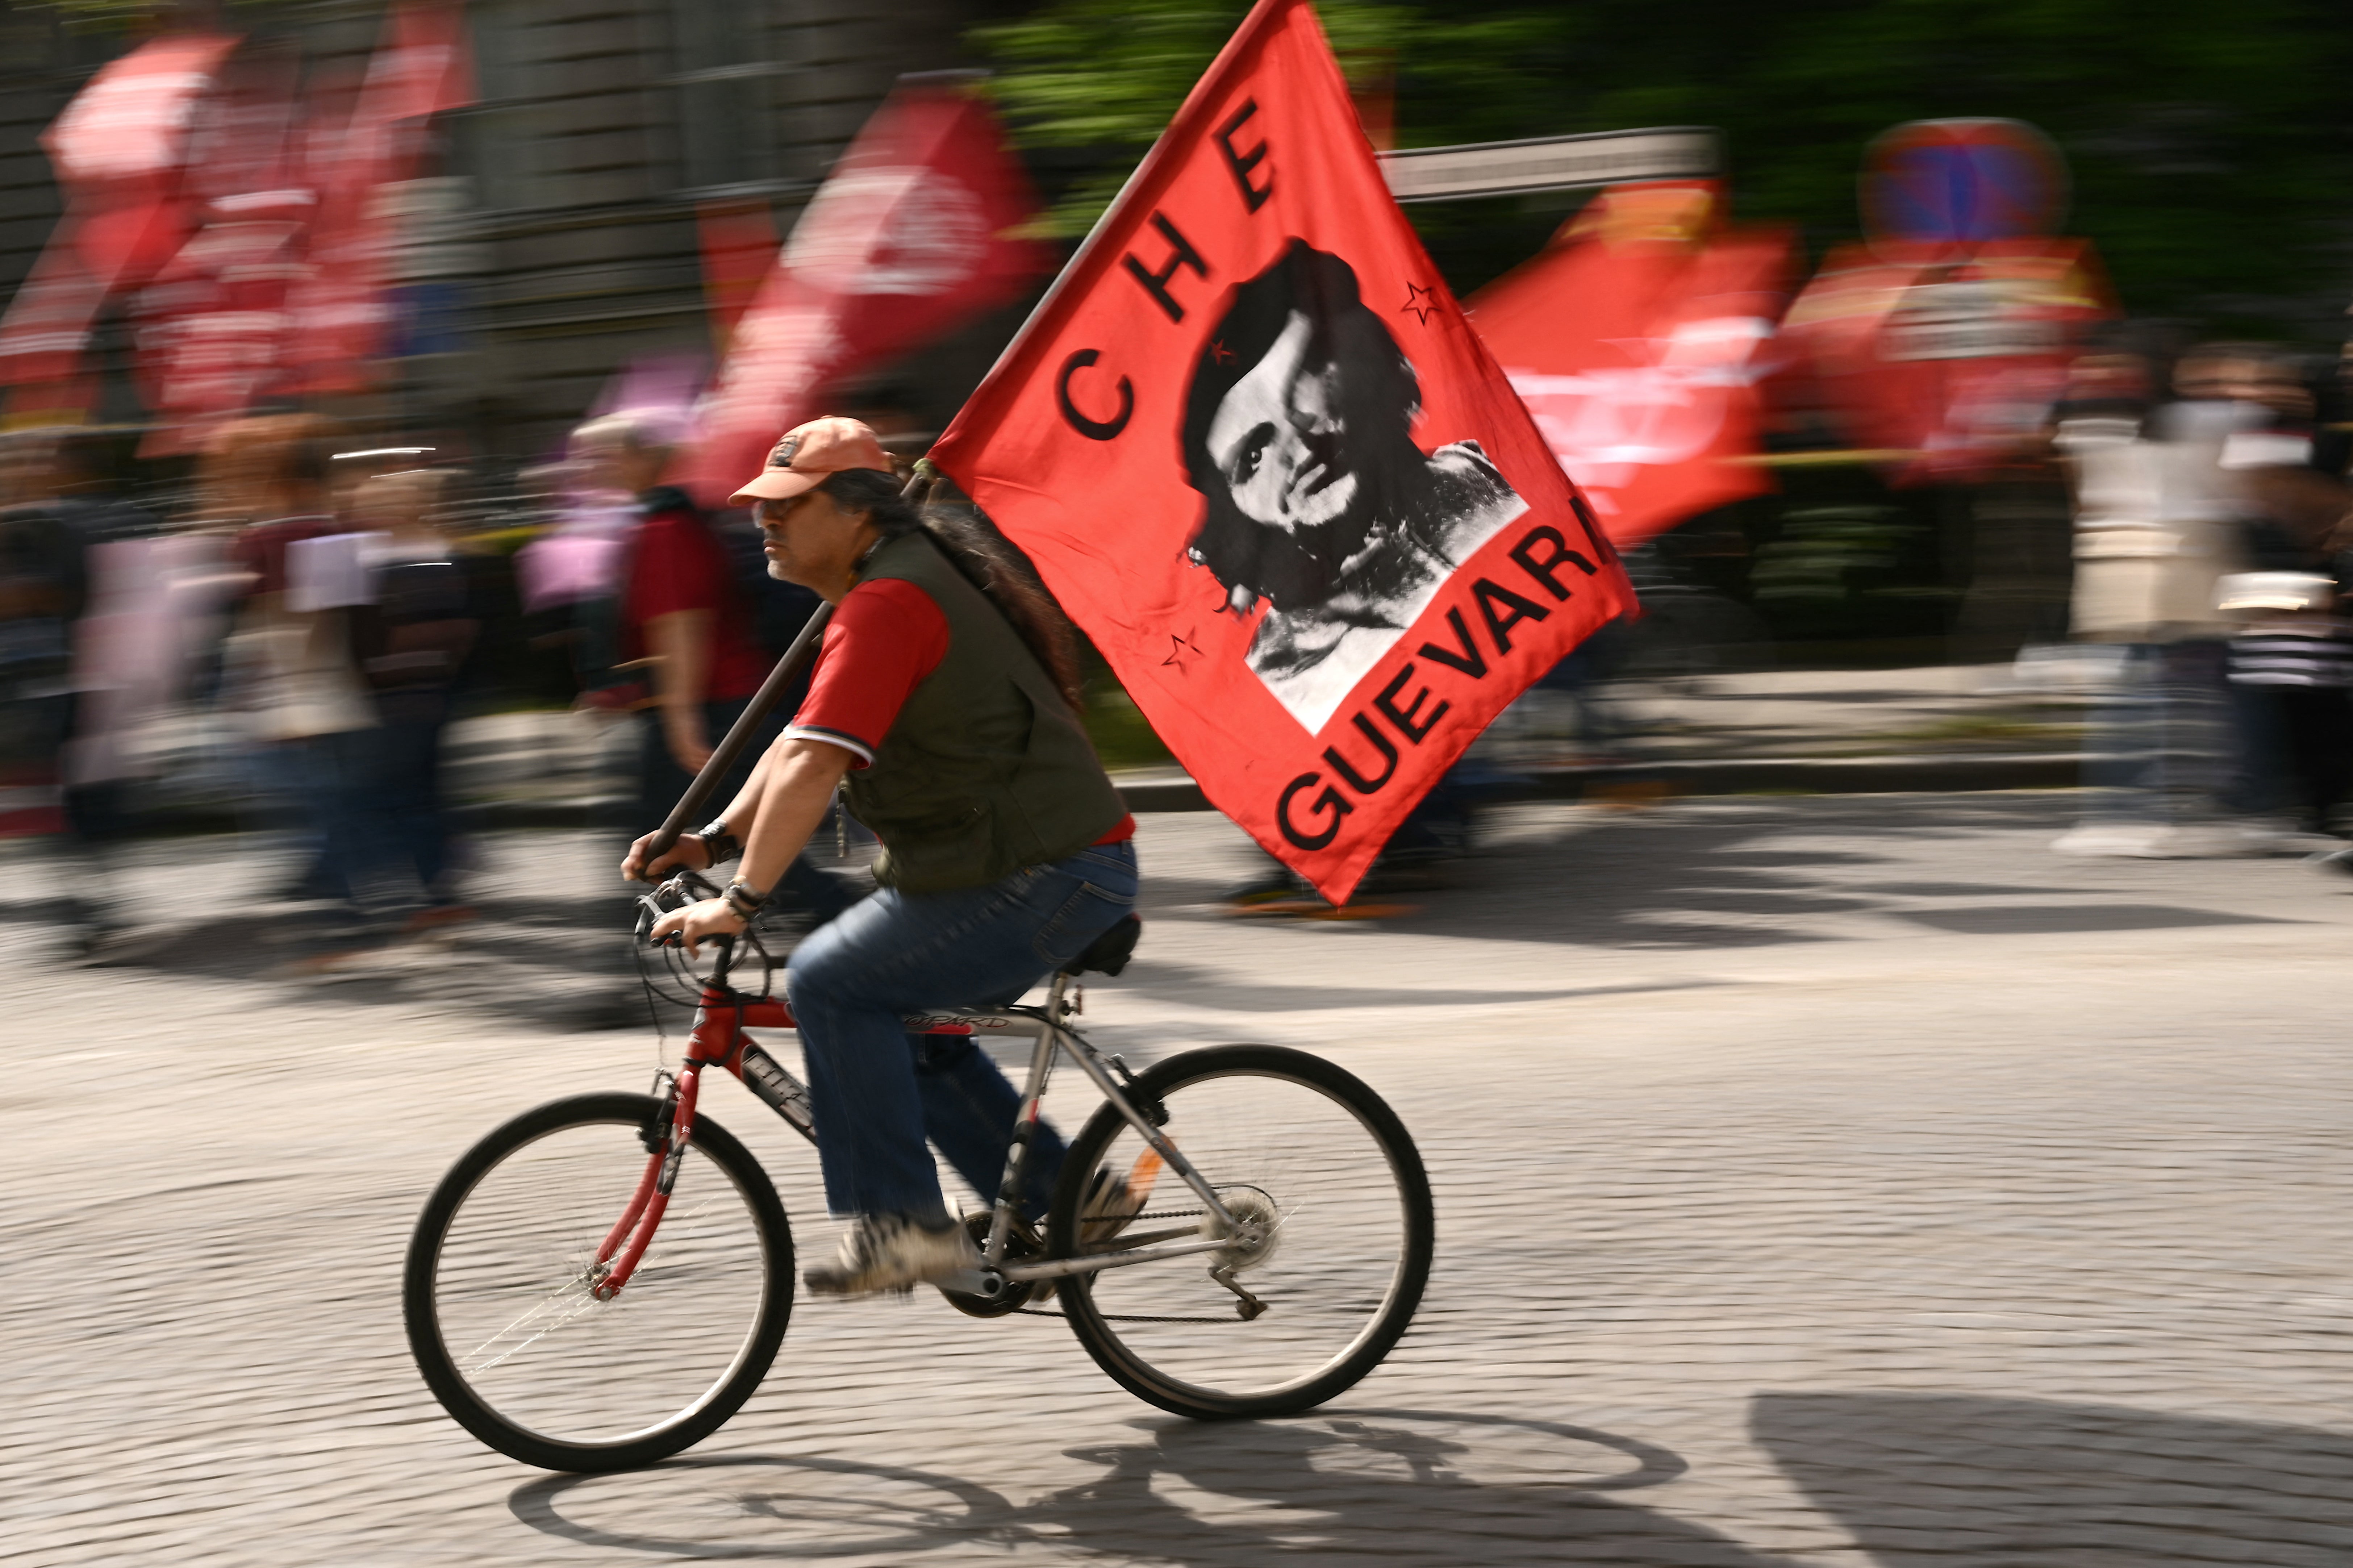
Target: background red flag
739, 245
118, 150
1952, 361
907, 236
1945, 337
1261, 457
211, 324
1637, 341
338, 312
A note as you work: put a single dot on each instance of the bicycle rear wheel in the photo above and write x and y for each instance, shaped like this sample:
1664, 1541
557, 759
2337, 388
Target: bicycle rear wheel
1292, 1141
499, 1313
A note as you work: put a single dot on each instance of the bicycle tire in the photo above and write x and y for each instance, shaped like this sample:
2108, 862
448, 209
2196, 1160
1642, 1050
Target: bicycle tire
1121, 1341
506, 1430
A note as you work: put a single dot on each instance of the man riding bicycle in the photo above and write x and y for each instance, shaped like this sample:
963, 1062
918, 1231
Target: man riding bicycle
943, 706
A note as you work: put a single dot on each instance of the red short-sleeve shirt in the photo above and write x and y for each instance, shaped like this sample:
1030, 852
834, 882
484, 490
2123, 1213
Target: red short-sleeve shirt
678, 563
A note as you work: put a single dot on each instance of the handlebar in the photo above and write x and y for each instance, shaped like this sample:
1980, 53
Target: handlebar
685, 888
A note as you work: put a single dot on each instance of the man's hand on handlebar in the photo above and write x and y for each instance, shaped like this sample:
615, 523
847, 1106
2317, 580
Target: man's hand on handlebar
697, 923
687, 854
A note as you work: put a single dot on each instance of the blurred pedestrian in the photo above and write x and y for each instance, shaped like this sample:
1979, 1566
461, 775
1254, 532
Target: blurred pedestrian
71, 557
2157, 523
2290, 662
289, 678
685, 630
43, 587
122, 661
411, 640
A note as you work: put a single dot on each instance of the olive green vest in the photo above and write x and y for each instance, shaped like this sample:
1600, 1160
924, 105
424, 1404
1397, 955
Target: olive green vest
985, 769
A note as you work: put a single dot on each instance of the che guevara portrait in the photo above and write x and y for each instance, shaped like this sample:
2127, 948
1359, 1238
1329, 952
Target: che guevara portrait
1298, 434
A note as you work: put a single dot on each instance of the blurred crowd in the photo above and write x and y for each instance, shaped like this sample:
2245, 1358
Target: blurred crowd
314, 601
2213, 551
318, 602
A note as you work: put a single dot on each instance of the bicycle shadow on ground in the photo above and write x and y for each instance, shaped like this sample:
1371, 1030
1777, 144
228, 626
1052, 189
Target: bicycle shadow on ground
1960, 1481
1414, 1488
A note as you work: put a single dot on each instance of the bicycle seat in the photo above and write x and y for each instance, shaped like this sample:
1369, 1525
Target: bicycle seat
1109, 953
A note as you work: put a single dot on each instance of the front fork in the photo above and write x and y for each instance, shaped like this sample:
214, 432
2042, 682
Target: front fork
666, 1137
719, 1040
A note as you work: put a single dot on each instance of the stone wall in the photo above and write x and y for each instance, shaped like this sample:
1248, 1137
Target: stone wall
569, 230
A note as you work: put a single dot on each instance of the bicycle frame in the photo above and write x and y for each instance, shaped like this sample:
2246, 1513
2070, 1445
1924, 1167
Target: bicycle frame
720, 1039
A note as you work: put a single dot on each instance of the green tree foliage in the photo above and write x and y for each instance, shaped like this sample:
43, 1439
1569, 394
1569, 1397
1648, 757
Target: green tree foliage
1105, 76
141, 15
2211, 144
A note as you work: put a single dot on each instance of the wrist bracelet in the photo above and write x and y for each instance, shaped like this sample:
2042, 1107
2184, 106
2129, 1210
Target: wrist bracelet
719, 844
744, 900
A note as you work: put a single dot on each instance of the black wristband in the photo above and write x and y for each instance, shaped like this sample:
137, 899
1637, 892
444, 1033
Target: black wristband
744, 900
719, 844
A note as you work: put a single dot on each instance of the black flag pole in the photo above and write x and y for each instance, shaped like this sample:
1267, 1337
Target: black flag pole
764, 703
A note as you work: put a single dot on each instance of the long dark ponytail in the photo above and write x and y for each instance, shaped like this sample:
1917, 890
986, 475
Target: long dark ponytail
988, 561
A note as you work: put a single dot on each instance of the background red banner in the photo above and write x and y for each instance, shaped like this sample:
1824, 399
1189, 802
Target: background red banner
913, 233
1636, 339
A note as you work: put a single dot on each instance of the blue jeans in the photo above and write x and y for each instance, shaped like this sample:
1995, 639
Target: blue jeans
878, 1091
401, 839
2162, 730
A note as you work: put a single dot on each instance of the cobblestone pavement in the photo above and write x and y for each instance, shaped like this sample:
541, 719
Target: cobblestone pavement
1823, 1181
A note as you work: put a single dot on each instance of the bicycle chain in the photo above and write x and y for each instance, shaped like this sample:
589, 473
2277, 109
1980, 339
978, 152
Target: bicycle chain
1109, 1317
1132, 1317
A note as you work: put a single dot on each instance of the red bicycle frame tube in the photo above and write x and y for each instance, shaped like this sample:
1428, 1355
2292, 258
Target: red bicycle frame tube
718, 1040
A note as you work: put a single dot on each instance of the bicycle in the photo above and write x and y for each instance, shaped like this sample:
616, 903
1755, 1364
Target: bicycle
551, 1326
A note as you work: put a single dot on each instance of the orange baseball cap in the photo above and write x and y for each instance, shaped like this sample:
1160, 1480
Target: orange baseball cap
807, 454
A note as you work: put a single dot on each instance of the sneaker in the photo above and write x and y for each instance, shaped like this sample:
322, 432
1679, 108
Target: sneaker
2123, 839
1278, 885
2340, 861
434, 918
2190, 841
1418, 872
891, 1252
1113, 1203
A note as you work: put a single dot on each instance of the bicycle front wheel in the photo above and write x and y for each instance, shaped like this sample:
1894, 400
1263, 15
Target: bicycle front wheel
1302, 1150
513, 1342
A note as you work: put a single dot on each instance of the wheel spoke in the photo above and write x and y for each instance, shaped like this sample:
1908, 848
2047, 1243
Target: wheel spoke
549, 1315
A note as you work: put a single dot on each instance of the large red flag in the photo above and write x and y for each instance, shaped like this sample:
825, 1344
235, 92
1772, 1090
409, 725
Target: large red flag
1637, 341
907, 236
118, 150
1258, 452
